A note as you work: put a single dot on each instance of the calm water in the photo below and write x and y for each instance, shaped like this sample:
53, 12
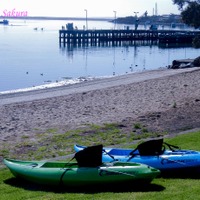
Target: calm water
31, 57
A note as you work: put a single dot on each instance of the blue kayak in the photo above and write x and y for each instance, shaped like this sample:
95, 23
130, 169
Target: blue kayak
155, 154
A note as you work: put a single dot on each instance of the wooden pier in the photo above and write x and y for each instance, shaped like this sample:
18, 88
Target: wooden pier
98, 36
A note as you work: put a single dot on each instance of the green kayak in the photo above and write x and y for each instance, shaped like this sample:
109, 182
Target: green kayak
88, 170
71, 174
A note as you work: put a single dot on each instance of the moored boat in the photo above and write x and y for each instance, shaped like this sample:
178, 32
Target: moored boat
4, 22
155, 154
86, 171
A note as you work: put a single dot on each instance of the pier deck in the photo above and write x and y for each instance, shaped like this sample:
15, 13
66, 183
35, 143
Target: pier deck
98, 36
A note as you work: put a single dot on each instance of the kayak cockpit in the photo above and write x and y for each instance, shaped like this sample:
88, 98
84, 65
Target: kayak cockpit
59, 165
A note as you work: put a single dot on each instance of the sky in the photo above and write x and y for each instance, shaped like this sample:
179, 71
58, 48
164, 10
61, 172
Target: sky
95, 8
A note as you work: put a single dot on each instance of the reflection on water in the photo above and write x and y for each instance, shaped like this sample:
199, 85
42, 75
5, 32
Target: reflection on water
126, 57
32, 57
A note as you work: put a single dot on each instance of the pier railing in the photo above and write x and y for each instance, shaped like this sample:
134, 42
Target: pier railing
98, 36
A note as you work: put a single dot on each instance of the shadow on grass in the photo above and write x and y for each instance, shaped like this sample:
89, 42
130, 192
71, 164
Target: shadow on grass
192, 173
117, 188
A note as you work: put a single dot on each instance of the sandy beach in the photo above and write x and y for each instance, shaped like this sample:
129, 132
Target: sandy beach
161, 100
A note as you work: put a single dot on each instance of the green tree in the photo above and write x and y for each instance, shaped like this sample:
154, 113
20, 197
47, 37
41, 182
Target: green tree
190, 11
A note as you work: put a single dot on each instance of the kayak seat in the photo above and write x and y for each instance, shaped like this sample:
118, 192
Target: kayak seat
90, 156
150, 148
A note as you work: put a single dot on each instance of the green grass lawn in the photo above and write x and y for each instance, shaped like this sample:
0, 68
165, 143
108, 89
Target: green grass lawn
160, 188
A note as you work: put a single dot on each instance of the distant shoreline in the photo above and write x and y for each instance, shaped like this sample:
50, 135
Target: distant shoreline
59, 18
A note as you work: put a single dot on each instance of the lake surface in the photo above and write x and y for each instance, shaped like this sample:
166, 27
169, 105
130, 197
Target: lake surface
30, 55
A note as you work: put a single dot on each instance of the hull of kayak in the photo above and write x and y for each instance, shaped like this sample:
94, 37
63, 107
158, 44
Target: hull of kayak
70, 174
